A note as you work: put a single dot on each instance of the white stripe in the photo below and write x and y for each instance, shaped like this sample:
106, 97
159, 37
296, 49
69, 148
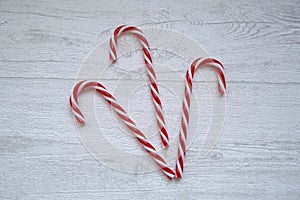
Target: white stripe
185, 119
81, 86
149, 149
179, 167
78, 115
74, 101
122, 30
181, 151
217, 66
188, 88
221, 84
154, 89
165, 138
168, 174
148, 60
139, 33
186, 104
160, 120
181, 134
112, 54
159, 162
190, 73
199, 63
113, 40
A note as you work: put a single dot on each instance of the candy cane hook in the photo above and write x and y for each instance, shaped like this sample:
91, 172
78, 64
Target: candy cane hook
151, 74
198, 63
124, 117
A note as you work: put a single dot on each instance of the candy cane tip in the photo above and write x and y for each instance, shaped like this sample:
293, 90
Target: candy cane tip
165, 144
222, 91
112, 58
80, 121
178, 175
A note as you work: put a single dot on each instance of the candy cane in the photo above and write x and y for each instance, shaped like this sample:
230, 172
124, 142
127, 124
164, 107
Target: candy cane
124, 117
151, 74
186, 104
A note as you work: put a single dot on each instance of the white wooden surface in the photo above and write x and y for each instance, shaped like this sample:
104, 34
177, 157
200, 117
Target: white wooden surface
44, 43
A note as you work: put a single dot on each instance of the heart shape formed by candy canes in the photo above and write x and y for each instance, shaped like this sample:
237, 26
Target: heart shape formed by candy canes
198, 63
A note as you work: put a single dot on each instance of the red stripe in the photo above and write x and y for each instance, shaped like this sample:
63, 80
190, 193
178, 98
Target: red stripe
147, 53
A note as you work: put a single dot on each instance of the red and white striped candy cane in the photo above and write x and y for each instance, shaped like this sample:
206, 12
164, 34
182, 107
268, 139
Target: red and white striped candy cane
124, 117
200, 62
151, 74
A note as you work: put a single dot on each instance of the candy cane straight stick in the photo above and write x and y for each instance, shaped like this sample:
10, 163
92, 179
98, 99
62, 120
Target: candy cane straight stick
186, 103
151, 74
124, 117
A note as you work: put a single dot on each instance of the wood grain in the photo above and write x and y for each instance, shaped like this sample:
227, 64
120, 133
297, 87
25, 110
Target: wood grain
43, 45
